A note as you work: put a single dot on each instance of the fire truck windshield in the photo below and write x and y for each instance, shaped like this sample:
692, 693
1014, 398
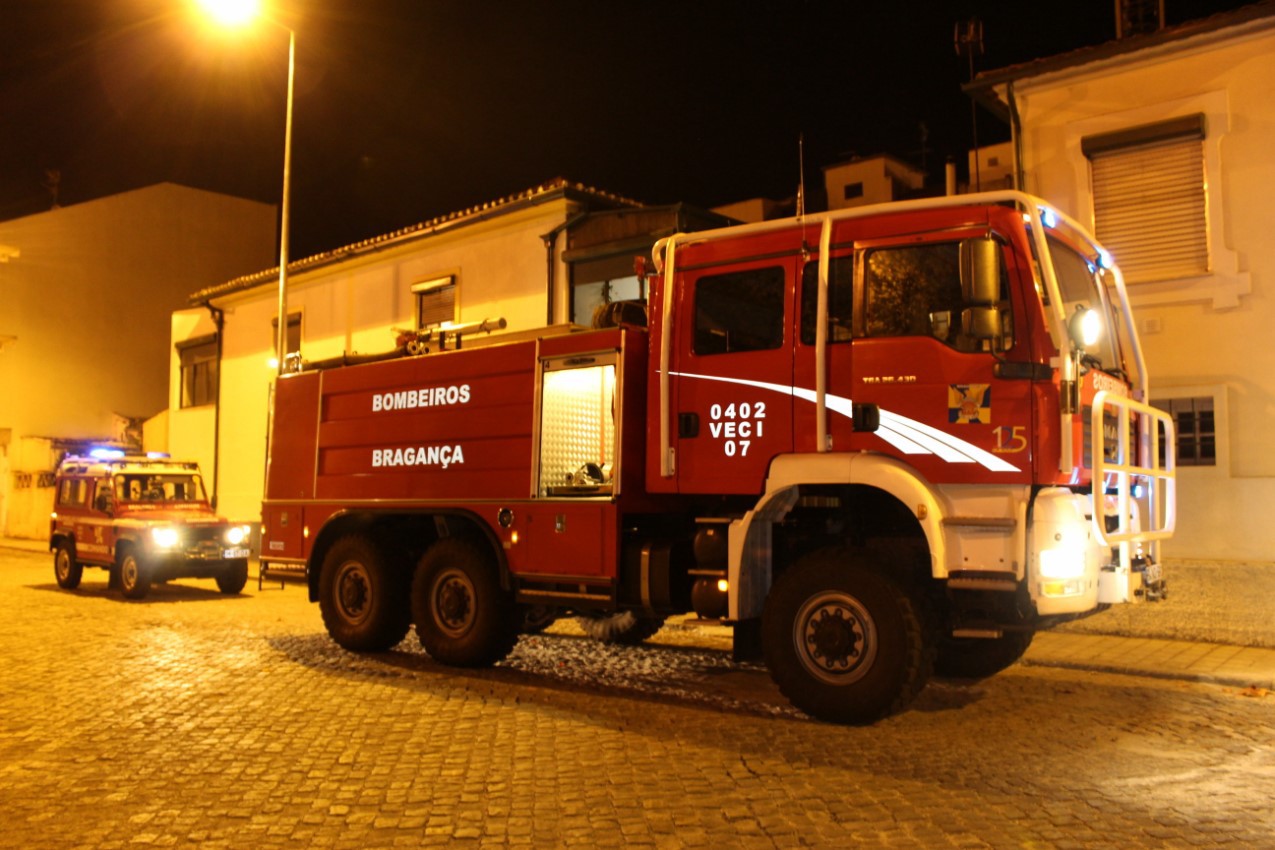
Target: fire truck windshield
1081, 287
150, 487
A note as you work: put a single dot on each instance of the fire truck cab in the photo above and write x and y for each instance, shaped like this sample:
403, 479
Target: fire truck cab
144, 519
881, 442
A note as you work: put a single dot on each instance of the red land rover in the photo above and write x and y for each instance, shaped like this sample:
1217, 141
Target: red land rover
144, 519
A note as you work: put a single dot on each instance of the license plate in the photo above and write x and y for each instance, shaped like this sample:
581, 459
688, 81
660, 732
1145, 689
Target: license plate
234, 554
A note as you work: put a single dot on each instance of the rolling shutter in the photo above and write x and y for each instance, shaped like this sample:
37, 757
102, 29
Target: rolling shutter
1149, 196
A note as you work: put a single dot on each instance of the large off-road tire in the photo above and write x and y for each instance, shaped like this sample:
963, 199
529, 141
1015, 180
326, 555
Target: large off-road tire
463, 616
624, 628
978, 658
233, 577
66, 570
135, 578
363, 595
844, 642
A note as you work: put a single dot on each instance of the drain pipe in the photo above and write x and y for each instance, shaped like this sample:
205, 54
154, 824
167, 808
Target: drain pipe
551, 242
219, 320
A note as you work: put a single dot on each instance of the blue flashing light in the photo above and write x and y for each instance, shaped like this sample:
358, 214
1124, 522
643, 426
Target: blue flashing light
158, 455
1104, 259
106, 454
1048, 217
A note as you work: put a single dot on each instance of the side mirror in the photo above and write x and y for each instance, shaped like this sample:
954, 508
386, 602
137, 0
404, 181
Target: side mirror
980, 271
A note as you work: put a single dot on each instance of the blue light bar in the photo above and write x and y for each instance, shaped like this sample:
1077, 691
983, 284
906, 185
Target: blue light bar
106, 454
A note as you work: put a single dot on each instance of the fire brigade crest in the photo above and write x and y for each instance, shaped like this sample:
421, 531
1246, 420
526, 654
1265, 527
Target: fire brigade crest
969, 404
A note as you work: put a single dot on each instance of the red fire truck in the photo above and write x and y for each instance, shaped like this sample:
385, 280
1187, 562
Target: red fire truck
895, 439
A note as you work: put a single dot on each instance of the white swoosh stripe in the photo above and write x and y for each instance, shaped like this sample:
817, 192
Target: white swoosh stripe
907, 435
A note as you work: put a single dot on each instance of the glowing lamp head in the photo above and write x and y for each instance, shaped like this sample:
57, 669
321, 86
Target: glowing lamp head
231, 13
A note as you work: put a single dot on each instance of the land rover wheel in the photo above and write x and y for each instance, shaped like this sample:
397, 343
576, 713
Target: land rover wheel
843, 642
463, 616
233, 577
362, 596
135, 580
65, 568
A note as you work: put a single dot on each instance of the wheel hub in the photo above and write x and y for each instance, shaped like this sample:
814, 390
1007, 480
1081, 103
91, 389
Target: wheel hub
353, 593
454, 604
835, 638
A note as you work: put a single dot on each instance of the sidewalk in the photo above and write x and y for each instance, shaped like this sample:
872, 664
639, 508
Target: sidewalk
1115, 642
1195, 661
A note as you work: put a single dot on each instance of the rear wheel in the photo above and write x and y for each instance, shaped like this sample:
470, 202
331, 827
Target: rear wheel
362, 597
844, 642
65, 568
463, 616
135, 580
233, 577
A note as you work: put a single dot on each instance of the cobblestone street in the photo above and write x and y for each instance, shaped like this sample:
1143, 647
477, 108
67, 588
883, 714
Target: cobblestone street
196, 719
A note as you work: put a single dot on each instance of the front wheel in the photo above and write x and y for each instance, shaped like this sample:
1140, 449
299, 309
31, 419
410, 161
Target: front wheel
362, 596
843, 642
463, 616
232, 579
65, 569
135, 580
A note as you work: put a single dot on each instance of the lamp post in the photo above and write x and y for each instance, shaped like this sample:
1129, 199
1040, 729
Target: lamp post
234, 13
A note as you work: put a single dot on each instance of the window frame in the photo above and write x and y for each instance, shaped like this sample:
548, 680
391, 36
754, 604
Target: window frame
445, 286
1225, 284
192, 354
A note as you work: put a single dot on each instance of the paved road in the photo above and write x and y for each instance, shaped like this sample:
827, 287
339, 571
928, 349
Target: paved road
191, 718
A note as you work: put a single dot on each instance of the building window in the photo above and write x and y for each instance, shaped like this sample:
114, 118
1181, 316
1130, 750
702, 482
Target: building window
198, 370
739, 311
1149, 198
435, 301
1196, 430
853, 191
293, 341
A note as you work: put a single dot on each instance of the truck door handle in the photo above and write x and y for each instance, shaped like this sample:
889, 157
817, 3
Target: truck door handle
687, 425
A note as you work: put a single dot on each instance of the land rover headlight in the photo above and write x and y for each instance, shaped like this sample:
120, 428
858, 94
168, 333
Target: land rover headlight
237, 534
164, 538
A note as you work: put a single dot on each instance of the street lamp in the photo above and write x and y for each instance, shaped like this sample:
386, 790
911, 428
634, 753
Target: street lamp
234, 13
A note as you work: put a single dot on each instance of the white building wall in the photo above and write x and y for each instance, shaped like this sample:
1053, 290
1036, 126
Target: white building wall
1209, 335
351, 307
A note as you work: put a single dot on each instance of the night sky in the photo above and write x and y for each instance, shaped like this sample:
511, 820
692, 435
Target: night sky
407, 109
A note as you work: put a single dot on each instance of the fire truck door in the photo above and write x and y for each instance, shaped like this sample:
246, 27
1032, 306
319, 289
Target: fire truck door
927, 359
732, 375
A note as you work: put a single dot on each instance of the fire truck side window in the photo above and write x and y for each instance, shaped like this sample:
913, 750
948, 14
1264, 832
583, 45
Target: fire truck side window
840, 299
739, 311
914, 290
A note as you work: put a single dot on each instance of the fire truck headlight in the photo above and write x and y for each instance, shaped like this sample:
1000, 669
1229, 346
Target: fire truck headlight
1085, 326
236, 534
1064, 561
164, 538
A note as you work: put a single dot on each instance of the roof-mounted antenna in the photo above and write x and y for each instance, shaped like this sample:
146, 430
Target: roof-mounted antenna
801, 176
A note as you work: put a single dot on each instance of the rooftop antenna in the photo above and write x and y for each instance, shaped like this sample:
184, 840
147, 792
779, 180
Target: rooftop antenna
801, 176
968, 41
